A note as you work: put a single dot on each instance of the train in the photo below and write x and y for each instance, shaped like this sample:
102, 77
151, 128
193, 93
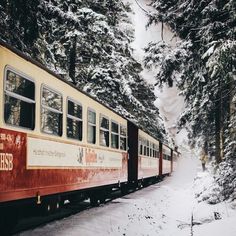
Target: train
58, 143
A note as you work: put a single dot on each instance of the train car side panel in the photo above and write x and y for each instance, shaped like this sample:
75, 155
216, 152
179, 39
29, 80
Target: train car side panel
166, 162
148, 165
35, 161
43, 171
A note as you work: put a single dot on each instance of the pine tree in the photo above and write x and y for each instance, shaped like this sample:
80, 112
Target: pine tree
202, 65
87, 43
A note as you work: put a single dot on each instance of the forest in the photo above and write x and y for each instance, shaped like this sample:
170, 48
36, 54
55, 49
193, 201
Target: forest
89, 44
203, 67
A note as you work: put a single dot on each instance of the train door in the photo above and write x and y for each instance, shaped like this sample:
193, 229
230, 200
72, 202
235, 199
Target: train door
160, 158
133, 152
172, 161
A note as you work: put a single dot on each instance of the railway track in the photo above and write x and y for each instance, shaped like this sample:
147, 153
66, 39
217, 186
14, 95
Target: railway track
30, 218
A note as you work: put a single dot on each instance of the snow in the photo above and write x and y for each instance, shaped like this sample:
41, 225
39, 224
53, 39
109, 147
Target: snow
168, 208
176, 206
168, 101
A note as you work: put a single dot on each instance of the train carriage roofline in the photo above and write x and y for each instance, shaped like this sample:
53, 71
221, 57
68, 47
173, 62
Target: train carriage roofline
41, 66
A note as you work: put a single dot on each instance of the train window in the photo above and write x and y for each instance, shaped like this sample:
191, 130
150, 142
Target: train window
114, 135
19, 107
147, 148
123, 137
140, 146
51, 112
154, 150
104, 131
151, 152
166, 157
74, 120
91, 138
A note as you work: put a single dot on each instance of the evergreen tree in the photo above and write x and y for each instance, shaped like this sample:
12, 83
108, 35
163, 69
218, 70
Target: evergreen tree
87, 43
202, 65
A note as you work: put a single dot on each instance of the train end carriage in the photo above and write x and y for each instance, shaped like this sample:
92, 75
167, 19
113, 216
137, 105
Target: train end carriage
166, 160
149, 156
144, 156
55, 141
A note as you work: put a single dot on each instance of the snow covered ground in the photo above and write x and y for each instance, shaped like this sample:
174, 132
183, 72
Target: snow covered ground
168, 208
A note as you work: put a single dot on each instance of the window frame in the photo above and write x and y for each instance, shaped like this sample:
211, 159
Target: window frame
145, 147
140, 145
123, 136
148, 148
104, 130
51, 109
91, 124
117, 134
19, 97
151, 149
74, 117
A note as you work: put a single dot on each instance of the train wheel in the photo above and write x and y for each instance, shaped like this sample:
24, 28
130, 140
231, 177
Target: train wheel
124, 189
57, 206
50, 206
46, 208
103, 197
94, 201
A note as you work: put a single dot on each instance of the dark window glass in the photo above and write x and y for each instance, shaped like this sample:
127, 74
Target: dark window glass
19, 106
114, 135
147, 148
123, 138
74, 121
104, 131
51, 117
74, 109
91, 136
104, 123
114, 127
20, 85
74, 129
140, 146
151, 152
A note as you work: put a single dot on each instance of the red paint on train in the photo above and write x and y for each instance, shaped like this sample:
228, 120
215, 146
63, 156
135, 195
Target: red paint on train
18, 182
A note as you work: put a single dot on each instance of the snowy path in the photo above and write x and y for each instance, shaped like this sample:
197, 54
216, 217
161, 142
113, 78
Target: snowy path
162, 209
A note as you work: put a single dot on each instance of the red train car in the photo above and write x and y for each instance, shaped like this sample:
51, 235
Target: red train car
55, 141
149, 159
58, 143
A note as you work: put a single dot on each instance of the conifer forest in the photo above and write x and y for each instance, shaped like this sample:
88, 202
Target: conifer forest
89, 43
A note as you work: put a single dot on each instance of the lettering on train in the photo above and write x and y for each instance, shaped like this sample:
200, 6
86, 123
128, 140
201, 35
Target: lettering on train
6, 161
